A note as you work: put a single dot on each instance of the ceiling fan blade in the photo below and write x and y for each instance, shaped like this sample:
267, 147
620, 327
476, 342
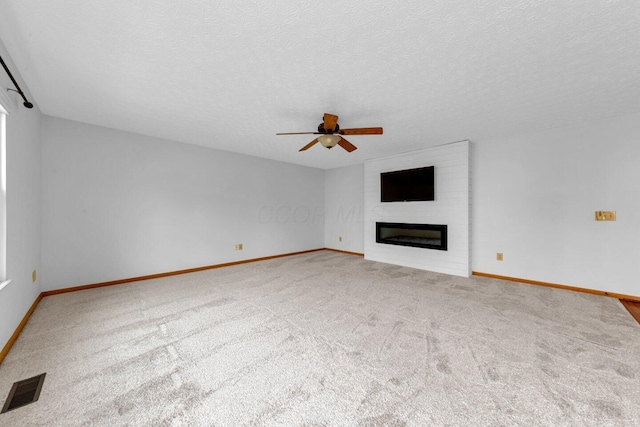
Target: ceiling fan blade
361, 131
309, 145
330, 122
297, 133
346, 145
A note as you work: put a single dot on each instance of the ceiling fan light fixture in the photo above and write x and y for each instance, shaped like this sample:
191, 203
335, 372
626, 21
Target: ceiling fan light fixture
330, 134
329, 141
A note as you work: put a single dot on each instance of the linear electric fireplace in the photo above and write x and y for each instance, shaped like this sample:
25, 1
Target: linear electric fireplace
430, 236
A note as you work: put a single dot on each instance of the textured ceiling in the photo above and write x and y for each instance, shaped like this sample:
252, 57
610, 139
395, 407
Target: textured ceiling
229, 75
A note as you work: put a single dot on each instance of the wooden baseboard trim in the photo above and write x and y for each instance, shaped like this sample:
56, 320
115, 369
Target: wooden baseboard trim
344, 252
558, 286
14, 337
169, 273
633, 307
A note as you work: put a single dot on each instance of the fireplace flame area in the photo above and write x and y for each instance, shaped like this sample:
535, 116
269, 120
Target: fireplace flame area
429, 236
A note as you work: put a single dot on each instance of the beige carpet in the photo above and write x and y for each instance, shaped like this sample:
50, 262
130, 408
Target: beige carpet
327, 339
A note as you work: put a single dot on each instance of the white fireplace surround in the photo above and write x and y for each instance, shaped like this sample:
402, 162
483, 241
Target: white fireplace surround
451, 207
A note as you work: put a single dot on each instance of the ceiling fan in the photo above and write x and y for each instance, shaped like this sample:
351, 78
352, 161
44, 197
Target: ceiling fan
331, 134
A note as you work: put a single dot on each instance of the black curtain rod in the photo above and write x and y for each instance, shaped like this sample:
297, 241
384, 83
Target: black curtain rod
15, 83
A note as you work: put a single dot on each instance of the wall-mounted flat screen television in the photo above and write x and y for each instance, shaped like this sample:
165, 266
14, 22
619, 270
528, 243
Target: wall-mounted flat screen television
411, 185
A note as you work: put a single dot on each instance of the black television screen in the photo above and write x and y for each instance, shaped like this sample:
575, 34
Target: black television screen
411, 185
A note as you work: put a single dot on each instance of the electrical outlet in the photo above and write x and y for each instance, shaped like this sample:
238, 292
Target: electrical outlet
238, 246
340, 239
499, 256
34, 276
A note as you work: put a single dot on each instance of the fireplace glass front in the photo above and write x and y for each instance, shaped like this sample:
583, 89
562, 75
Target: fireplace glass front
430, 236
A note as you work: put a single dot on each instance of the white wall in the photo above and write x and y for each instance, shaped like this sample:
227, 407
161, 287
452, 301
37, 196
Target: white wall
23, 204
534, 199
344, 208
119, 205
450, 207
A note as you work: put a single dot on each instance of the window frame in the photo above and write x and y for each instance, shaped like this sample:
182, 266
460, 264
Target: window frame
4, 112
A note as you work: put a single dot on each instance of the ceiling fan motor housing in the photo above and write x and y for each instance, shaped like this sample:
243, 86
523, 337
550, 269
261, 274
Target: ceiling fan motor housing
321, 129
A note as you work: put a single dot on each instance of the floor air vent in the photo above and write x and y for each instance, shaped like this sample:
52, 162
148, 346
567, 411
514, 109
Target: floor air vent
24, 392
